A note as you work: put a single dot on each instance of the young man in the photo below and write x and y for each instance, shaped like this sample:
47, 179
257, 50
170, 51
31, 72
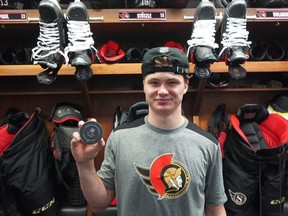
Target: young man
161, 164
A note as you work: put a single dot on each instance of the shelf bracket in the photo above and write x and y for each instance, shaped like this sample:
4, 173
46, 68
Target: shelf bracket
199, 96
87, 101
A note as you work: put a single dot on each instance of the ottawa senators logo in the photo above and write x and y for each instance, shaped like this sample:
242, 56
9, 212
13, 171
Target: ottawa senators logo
165, 177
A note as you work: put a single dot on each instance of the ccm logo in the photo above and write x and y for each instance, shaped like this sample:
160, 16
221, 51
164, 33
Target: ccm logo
45, 207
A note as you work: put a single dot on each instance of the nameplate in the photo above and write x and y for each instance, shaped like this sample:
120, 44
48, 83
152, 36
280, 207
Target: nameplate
145, 14
12, 16
272, 13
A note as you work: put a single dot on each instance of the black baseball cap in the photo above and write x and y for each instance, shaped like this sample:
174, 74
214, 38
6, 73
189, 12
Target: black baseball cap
180, 63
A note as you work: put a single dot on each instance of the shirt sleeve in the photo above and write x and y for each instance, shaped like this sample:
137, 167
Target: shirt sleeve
107, 169
214, 191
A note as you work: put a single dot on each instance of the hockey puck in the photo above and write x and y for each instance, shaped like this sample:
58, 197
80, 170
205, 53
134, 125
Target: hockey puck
91, 132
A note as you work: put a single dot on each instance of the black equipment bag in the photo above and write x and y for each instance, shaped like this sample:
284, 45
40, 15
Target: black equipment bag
65, 117
136, 110
27, 180
254, 163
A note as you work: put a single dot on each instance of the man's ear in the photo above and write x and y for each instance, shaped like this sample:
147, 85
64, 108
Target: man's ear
186, 83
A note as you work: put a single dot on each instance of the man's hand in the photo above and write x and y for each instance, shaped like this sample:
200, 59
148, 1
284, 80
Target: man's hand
82, 152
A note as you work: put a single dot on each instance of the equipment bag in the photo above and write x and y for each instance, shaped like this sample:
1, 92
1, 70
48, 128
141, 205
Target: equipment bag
137, 110
28, 184
254, 164
65, 117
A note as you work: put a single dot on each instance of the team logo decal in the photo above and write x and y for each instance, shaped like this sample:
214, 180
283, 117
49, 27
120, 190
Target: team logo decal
237, 197
164, 49
165, 177
124, 15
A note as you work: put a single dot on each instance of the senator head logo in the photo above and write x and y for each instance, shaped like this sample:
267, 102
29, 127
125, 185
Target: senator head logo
165, 177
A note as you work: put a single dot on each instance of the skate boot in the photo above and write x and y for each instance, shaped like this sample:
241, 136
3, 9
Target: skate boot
202, 43
80, 49
257, 51
48, 52
274, 51
235, 38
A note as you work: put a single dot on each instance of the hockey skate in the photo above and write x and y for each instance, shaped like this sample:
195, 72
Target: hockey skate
234, 38
80, 49
202, 43
49, 50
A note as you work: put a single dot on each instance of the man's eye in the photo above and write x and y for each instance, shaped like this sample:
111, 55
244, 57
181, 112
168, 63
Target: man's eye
153, 83
173, 83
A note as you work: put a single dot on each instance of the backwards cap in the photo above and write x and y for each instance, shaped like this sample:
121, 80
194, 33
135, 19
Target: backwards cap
180, 63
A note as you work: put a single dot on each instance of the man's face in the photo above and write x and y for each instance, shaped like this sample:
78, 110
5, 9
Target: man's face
164, 91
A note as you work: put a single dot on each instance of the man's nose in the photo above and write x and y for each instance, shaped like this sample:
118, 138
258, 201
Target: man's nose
162, 89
